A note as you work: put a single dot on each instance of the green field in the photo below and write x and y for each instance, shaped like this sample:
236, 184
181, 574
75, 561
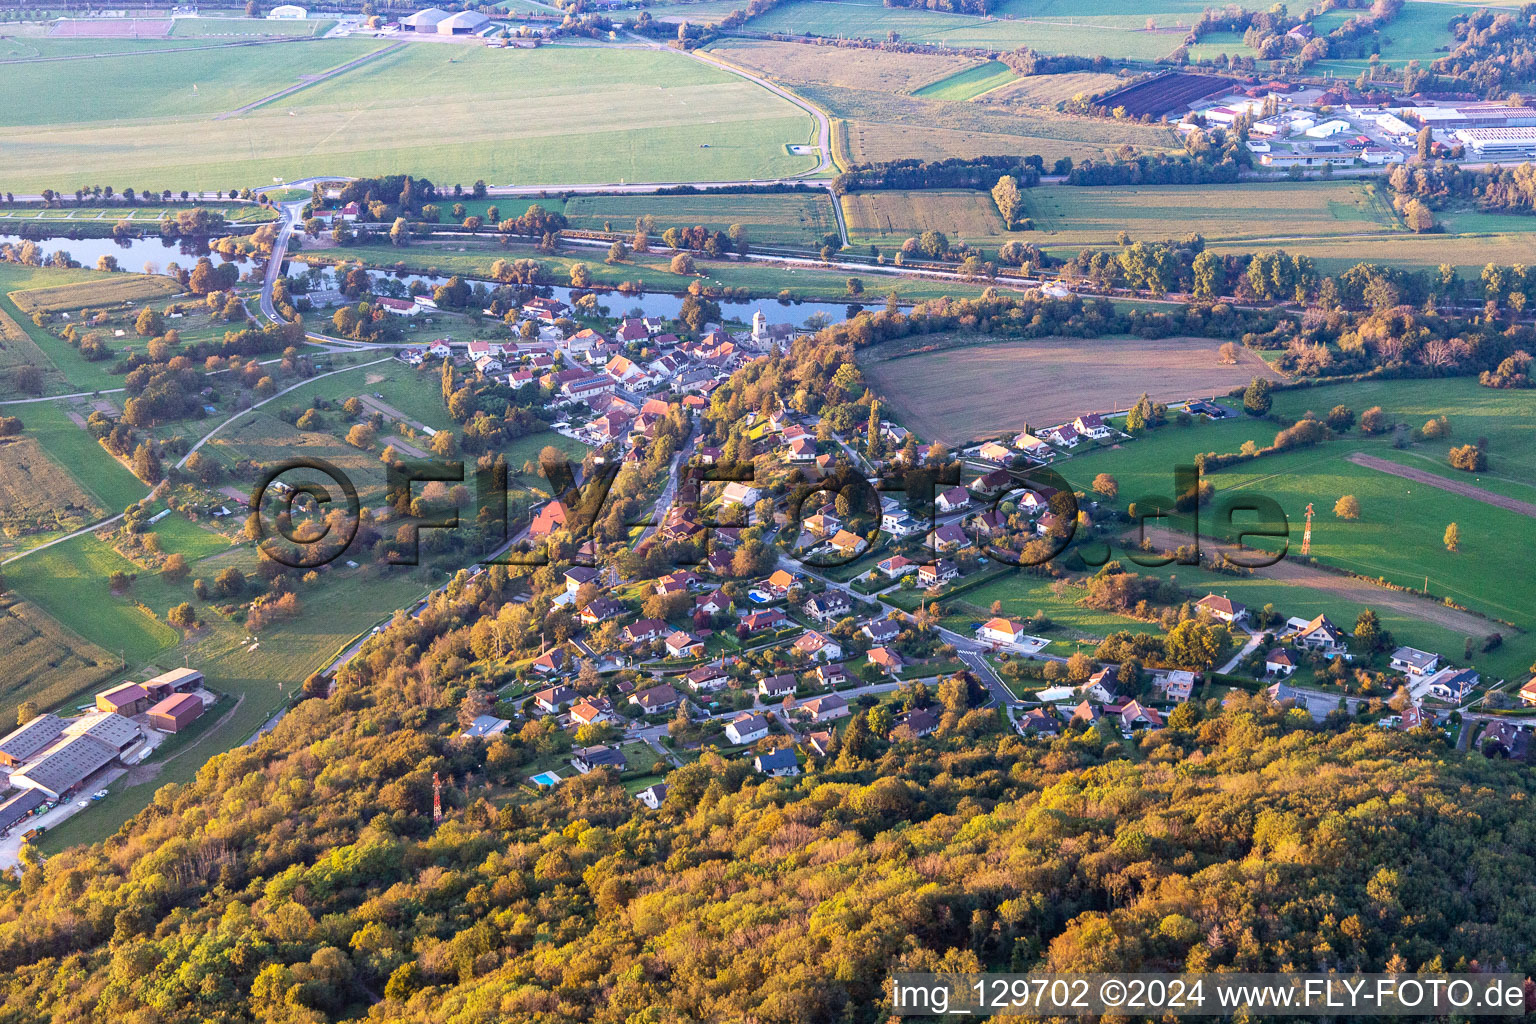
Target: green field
71, 217
798, 219
1399, 535
202, 28
1419, 32
1095, 28
445, 112
652, 270
1259, 211
99, 473
970, 83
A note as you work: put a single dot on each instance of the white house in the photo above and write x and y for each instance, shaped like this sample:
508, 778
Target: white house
1001, 631
1222, 608
953, 500
1414, 662
746, 728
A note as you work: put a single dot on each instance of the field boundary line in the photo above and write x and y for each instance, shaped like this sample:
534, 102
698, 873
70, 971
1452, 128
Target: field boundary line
324, 76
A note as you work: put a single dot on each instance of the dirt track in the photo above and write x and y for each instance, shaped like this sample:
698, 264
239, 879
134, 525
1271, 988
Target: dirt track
1352, 589
1524, 508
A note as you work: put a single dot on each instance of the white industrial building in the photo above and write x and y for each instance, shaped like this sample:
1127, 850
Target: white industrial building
436, 21
1327, 129
287, 12
1497, 142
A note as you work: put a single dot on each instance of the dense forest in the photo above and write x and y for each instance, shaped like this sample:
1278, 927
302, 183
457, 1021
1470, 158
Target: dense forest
302, 878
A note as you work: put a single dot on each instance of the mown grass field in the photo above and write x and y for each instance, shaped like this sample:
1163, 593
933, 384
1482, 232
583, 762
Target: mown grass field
887, 218
796, 219
1049, 90
849, 67
1259, 211
98, 473
1049, 28
1399, 534
1419, 32
970, 83
886, 126
652, 270
1467, 252
958, 394
159, 84
62, 218
204, 28
582, 114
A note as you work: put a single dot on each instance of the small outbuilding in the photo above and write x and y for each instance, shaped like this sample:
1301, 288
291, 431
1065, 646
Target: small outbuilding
176, 713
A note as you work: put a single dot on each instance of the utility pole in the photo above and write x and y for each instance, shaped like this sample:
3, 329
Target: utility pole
1306, 538
437, 799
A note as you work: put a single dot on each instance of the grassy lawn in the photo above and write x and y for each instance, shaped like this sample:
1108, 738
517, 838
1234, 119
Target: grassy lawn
146, 216
650, 270
1092, 29
69, 582
801, 64
1095, 216
582, 114
90, 464
1023, 595
970, 83
786, 219
202, 28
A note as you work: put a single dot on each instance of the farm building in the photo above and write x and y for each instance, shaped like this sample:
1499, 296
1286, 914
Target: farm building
287, 12
176, 713
177, 680
126, 699
25, 740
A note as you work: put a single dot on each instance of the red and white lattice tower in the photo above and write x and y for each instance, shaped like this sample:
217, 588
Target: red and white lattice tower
437, 799
1306, 538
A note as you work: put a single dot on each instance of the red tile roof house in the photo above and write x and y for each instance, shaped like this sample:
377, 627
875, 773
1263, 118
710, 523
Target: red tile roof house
953, 499
550, 663
992, 483
897, 565
399, 307
552, 517
1222, 608
601, 609
769, 619
885, 659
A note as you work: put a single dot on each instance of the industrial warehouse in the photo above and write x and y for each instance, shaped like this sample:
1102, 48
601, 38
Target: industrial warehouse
50, 758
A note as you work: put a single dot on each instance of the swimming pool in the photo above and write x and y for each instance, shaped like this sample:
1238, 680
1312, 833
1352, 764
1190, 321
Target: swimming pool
758, 597
546, 778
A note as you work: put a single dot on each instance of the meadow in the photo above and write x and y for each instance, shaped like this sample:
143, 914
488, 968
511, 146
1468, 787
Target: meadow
886, 126
38, 497
1419, 32
113, 290
65, 218
1049, 90
848, 67
1050, 28
108, 481
1265, 210
1399, 535
581, 114
973, 391
795, 219
887, 218
970, 83
650, 269
206, 28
